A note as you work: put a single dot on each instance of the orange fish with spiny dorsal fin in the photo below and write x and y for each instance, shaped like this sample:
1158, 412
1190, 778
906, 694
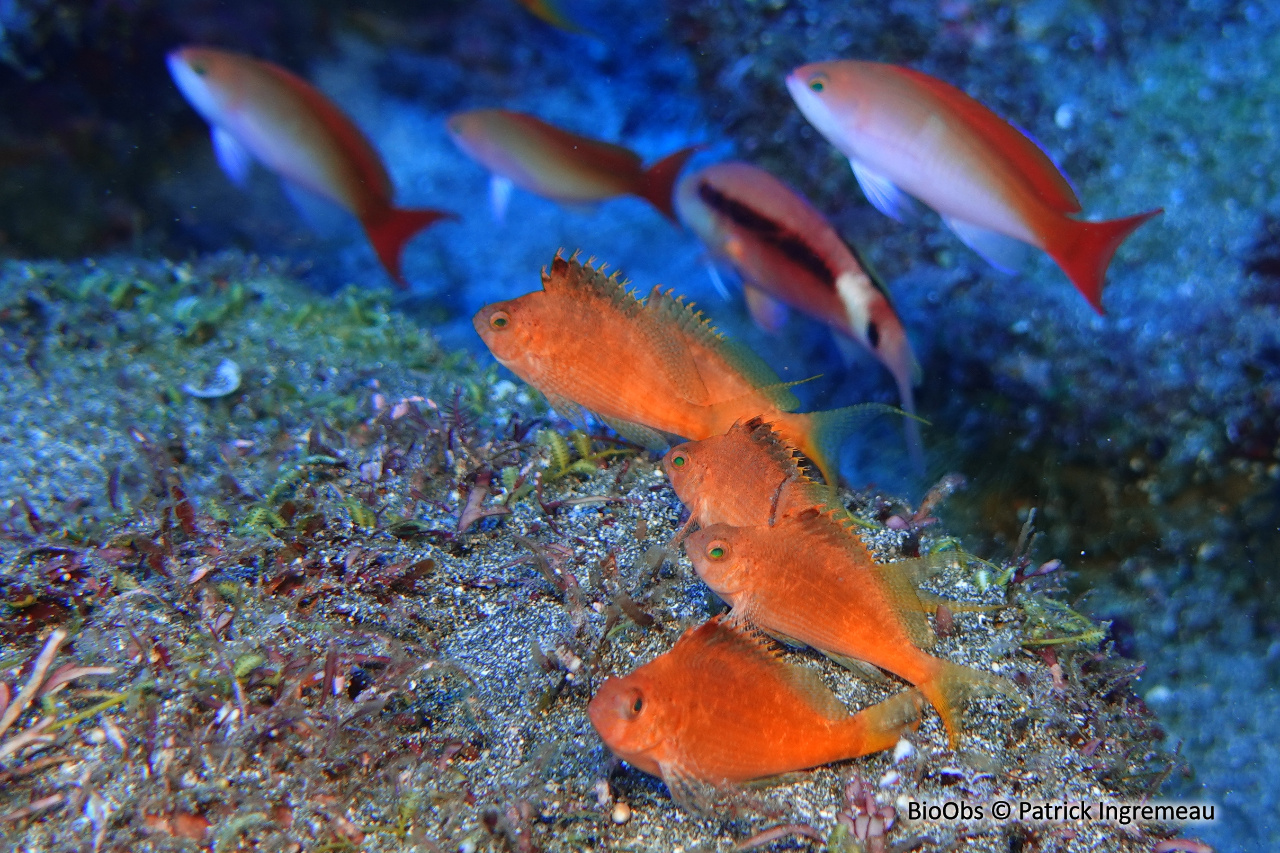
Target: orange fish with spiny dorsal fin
810, 580
747, 477
751, 477
648, 368
722, 708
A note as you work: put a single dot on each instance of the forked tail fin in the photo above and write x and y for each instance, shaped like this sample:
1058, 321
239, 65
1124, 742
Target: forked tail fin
953, 685
389, 232
658, 182
820, 435
1086, 252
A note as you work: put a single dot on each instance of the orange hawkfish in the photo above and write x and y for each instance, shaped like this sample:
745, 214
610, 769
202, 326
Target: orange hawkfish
524, 151
722, 708
648, 369
907, 133
258, 110
808, 580
747, 477
751, 477
788, 253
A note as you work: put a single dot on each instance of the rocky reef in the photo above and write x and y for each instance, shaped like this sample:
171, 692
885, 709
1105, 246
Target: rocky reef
248, 500
302, 580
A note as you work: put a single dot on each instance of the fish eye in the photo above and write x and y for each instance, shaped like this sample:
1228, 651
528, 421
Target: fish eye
678, 460
716, 550
818, 82
199, 68
638, 705
873, 334
500, 320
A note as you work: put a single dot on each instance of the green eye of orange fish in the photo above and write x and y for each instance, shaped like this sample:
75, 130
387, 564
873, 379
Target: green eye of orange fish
818, 82
678, 460
639, 703
500, 320
716, 552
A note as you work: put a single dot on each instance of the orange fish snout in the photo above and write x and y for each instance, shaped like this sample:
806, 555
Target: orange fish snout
683, 470
499, 326
712, 552
627, 721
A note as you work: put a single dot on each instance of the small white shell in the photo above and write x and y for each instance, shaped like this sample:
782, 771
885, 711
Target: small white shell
226, 379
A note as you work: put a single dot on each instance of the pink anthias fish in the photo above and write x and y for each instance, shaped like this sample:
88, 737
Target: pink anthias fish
907, 133
786, 250
258, 110
524, 151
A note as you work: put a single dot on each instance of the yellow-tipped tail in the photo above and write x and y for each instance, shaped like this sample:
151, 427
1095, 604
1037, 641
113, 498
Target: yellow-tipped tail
954, 685
879, 727
820, 435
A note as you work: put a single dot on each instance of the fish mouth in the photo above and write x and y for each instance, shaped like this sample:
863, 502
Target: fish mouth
481, 322
176, 61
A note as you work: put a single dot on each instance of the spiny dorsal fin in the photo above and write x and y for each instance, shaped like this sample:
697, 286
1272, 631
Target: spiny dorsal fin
674, 308
572, 278
782, 452
734, 636
668, 308
571, 275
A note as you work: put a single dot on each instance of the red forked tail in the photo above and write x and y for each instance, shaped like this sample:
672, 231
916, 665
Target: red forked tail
1086, 253
389, 232
659, 180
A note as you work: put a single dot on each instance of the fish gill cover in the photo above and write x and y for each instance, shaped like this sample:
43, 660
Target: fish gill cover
303, 577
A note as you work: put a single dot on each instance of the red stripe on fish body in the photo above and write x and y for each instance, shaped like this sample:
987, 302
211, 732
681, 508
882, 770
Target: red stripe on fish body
741, 195
783, 246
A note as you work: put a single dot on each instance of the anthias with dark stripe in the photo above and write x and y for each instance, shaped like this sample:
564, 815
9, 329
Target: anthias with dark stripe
787, 253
